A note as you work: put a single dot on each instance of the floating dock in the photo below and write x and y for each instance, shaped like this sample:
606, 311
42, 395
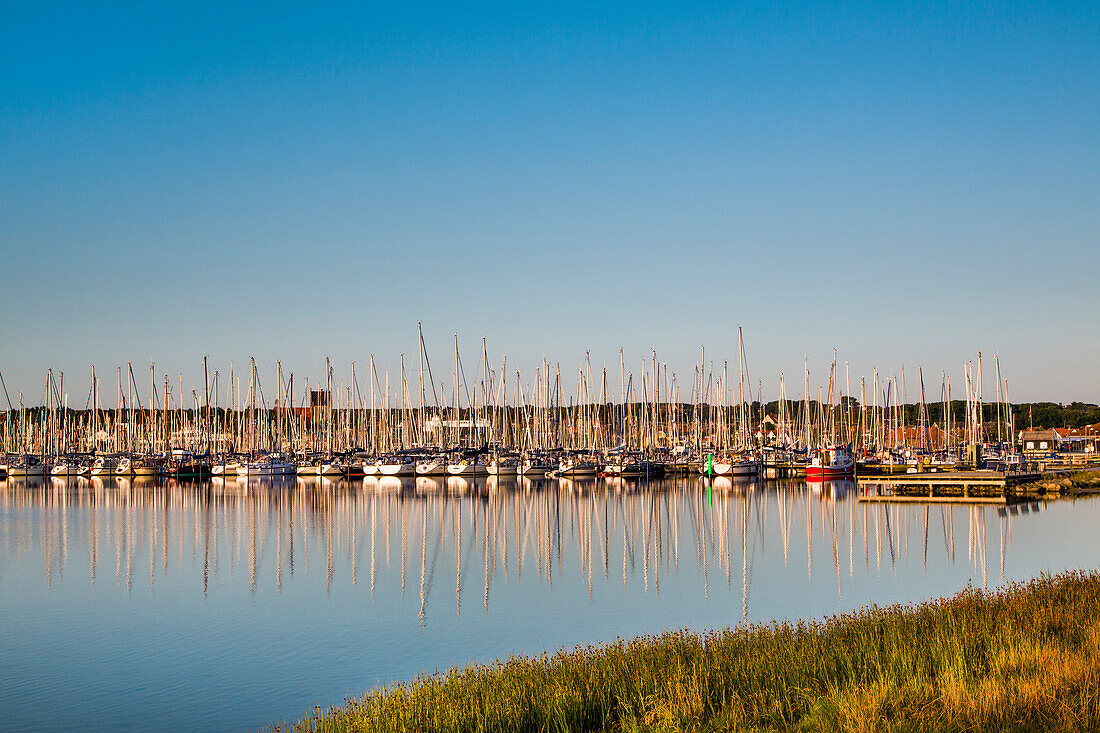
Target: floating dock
983, 487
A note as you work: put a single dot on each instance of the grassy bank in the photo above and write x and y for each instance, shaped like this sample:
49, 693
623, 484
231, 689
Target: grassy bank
1025, 658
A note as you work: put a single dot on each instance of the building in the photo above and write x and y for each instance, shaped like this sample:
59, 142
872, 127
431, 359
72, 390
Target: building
1039, 441
1079, 440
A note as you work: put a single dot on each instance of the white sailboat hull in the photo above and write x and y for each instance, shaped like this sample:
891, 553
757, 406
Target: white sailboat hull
67, 469
266, 469
327, 469
431, 468
466, 469
397, 469
21, 471
579, 469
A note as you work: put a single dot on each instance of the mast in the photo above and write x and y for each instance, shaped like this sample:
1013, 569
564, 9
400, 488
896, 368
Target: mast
981, 416
373, 381
925, 440
95, 410
206, 427
152, 412
1000, 402
167, 435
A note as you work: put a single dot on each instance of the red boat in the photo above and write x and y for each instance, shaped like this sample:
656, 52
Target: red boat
831, 463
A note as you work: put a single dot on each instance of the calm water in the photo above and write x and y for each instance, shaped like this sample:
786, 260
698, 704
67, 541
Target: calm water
231, 606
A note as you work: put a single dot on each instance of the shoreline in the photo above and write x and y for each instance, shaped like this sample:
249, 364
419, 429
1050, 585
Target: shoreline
1079, 483
1024, 656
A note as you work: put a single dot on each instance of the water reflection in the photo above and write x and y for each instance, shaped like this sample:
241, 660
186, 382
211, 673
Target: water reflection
234, 603
454, 542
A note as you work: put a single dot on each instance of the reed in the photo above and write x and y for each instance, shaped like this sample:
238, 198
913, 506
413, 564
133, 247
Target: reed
1026, 657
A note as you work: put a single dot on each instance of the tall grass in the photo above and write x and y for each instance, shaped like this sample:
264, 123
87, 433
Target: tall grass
1024, 658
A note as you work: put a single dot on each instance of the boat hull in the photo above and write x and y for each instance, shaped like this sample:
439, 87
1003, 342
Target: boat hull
532, 471
466, 469
397, 469
266, 470
26, 471
69, 470
431, 468
822, 473
580, 470
327, 469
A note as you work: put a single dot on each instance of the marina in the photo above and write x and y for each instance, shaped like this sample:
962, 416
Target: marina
494, 422
212, 541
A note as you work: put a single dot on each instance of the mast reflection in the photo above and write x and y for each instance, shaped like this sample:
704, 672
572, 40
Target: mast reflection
407, 535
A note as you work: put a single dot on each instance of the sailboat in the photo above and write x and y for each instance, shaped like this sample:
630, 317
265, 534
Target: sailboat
729, 465
579, 465
226, 466
104, 466
147, 467
396, 466
533, 465
716, 465
266, 465
26, 465
467, 468
431, 466
68, 467
319, 466
506, 466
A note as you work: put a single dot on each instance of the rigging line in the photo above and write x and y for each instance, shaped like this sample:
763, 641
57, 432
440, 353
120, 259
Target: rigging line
10, 408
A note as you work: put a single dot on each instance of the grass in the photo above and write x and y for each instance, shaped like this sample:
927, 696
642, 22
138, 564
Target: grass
1023, 658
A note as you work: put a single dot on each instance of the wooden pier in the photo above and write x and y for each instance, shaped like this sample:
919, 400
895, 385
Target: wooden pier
783, 469
986, 487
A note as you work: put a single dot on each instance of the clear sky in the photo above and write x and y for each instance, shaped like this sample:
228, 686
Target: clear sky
904, 182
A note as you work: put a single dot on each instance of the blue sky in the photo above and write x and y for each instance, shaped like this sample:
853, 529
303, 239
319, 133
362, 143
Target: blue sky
904, 184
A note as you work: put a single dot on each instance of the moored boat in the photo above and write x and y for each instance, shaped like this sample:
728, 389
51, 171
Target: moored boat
184, 464
534, 466
396, 466
467, 468
225, 466
268, 465
104, 466
319, 466
433, 466
68, 467
831, 463
578, 466
26, 465
507, 466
